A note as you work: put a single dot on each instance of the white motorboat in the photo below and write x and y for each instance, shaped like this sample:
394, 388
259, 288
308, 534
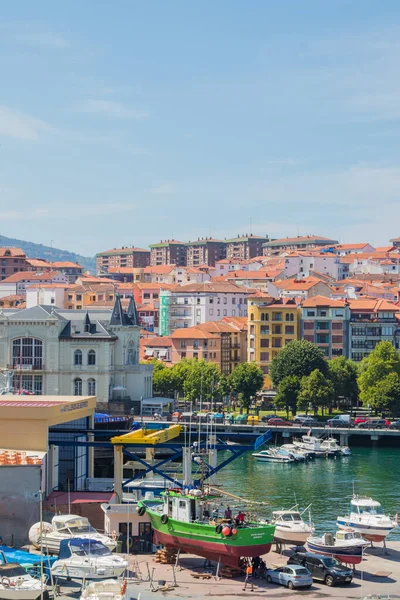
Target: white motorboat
297, 453
272, 455
16, 583
63, 527
290, 528
82, 558
348, 545
313, 444
108, 589
367, 517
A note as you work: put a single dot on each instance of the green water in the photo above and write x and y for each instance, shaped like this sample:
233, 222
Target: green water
326, 484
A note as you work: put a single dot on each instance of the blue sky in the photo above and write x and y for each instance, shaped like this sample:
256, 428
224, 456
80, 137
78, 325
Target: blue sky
126, 122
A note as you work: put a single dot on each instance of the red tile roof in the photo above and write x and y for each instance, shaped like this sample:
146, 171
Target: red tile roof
30, 276
12, 252
323, 301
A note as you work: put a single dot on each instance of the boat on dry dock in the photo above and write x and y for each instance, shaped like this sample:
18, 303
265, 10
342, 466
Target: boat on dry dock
290, 527
17, 584
82, 558
367, 517
347, 546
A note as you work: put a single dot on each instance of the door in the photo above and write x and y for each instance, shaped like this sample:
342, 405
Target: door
319, 569
145, 537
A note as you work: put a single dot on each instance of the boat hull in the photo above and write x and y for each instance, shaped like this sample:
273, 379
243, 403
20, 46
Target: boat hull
15, 594
298, 538
204, 539
371, 533
350, 555
229, 555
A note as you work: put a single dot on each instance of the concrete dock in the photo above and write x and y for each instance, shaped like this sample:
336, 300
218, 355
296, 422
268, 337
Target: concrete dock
378, 574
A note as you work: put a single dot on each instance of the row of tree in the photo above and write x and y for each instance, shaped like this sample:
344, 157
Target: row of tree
303, 378
201, 381
301, 375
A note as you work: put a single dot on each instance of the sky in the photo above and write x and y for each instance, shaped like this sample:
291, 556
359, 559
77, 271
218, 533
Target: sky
126, 122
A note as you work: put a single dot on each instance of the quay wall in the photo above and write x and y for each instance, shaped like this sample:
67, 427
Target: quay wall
19, 502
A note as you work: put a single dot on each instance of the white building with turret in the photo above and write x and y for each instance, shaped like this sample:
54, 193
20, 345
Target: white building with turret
47, 350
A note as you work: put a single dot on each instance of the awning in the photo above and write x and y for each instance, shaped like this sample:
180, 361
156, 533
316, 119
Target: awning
163, 353
149, 352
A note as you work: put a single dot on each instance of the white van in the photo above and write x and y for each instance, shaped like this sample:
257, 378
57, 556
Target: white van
339, 421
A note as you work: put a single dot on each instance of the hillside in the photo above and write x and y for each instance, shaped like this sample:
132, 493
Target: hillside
50, 254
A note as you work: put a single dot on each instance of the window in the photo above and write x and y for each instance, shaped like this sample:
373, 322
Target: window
277, 316
78, 297
78, 386
31, 383
91, 387
277, 329
233, 300
337, 326
225, 300
195, 355
77, 358
264, 343
27, 352
311, 313
252, 329
337, 339
218, 312
211, 311
195, 343
91, 357
277, 343
264, 329
186, 301
252, 317
198, 300
183, 354
211, 300
308, 325
183, 343
289, 329
225, 312
264, 356
233, 312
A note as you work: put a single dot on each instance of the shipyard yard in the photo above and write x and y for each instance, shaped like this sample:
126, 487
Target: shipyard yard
366, 581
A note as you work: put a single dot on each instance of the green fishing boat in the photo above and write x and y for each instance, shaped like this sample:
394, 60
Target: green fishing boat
187, 520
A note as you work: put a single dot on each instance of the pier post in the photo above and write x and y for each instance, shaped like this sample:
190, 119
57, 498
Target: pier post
212, 456
344, 439
118, 464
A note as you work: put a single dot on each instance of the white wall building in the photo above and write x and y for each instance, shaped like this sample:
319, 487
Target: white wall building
51, 294
303, 264
75, 352
194, 304
17, 283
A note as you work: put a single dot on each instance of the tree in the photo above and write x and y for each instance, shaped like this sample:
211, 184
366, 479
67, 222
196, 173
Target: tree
164, 382
343, 374
287, 393
246, 379
201, 381
383, 361
299, 358
315, 389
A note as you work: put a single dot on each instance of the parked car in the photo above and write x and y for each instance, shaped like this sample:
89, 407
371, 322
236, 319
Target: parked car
278, 421
339, 421
395, 424
293, 576
374, 424
359, 420
323, 568
305, 420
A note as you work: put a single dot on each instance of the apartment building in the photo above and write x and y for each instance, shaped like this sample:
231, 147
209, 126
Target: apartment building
17, 283
345, 249
325, 323
67, 352
168, 252
245, 247
371, 321
193, 304
204, 251
272, 324
70, 269
12, 260
121, 257
298, 288
304, 264
304, 242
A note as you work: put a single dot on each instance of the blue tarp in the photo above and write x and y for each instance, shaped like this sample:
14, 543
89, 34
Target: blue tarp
26, 559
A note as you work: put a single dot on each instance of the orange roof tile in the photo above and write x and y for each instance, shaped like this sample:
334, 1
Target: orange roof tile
30, 276
191, 333
351, 246
66, 264
12, 252
158, 342
323, 301
372, 305
297, 284
160, 269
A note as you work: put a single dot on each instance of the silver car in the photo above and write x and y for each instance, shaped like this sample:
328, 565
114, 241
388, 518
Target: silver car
292, 576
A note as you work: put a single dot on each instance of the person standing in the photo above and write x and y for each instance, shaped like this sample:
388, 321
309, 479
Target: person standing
228, 514
249, 577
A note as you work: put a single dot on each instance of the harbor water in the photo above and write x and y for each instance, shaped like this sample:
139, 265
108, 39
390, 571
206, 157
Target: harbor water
326, 484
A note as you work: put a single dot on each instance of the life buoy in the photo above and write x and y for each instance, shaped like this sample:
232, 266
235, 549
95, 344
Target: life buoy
124, 585
218, 529
5, 582
164, 519
141, 511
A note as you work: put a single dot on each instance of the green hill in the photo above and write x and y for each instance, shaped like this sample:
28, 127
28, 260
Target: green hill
48, 253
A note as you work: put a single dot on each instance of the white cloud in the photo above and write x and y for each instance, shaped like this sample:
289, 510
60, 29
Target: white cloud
114, 110
164, 188
21, 126
43, 39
